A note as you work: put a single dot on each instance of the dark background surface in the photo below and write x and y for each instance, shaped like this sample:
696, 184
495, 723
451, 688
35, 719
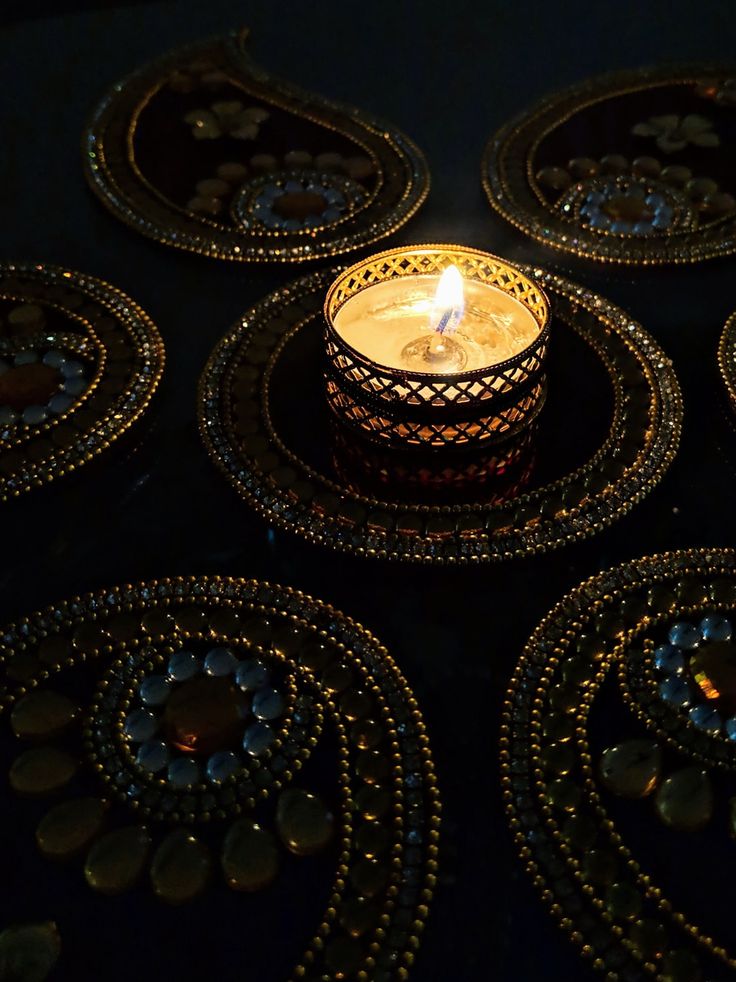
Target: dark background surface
447, 75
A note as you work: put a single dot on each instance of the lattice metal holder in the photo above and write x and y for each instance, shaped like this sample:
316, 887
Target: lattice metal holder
400, 408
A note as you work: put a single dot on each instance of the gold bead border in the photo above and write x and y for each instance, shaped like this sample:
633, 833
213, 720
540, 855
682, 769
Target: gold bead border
291, 495
593, 624
126, 407
508, 180
727, 359
30, 654
112, 174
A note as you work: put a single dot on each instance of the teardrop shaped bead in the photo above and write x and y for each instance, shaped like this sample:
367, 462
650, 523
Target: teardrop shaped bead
250, 858
631, 769
41, 715
69, 828
685, 800
180, 868
115, 862
28, 952
303, 822
41, 771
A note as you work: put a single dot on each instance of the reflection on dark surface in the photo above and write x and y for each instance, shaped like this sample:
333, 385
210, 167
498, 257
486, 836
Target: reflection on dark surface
439, 477
572, 425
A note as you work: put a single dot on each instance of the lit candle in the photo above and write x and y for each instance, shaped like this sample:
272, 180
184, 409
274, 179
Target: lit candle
435, 346
436, 324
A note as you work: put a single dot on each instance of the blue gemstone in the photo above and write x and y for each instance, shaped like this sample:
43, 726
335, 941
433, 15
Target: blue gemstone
622, 227
221, 765
140, 725
154, 690
220, 661
706, 718
684, 635
267, 704
731, 728
183, 665
183, 772
251, 675
668, 659
716, 628
258, 738
153, 755
675, 691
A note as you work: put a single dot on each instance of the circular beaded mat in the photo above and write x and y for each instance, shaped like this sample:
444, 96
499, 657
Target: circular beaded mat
204, 151
727, 359
618, 759
218, 735
634, 167
79, 363
264, 420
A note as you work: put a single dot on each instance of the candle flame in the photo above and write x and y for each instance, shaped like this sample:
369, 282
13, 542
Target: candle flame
449, 302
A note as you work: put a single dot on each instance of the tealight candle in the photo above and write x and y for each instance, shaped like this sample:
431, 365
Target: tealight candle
435, 346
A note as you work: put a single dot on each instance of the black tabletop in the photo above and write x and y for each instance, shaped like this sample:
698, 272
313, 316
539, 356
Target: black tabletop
448, 75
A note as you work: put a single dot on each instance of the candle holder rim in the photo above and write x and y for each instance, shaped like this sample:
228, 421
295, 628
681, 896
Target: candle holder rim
469, 375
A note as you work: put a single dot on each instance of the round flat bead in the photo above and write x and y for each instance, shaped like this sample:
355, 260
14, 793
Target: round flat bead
258, 738
684, 635
730, 727
7, 415
72, 369
250, 858
55, 359
222, 765
675, 691
69, 828
220, 662
153, 755
716, 628
115, 862
685, 800
632, 769
25, 358
232, 172
303, 821
180, 868
267, 704
140, 725
183, 772
183, 665
706, 718
155, 690
42, 714
297, 158
251, 675
668, 659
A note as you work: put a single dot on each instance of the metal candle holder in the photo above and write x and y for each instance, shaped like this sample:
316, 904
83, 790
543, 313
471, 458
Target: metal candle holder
395, 407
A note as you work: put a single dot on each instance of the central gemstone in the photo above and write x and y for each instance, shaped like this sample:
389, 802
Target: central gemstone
28, 385
299, 204
714, 669
205, 715
628, 208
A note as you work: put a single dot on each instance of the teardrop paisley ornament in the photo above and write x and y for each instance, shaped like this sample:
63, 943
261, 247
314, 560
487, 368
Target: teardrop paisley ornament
226, 735
633, 167
204, 151
618, 763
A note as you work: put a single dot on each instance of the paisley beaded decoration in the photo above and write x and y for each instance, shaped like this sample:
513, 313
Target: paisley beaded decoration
79, 363
204, 151
618, 760
727, 359
193, 733
282, 466
633, 167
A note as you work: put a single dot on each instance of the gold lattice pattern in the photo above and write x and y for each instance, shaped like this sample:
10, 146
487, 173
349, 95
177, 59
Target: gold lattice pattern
397, 429
432, 260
